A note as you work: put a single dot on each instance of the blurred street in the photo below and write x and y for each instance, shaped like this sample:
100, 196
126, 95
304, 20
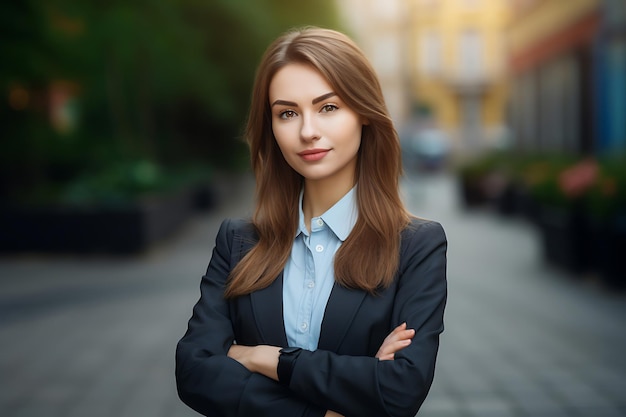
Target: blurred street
94, 336
521, 339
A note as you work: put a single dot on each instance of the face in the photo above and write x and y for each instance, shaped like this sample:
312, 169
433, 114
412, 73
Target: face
318, 135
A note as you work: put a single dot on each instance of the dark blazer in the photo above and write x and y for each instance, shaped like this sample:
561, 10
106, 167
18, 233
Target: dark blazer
342, 375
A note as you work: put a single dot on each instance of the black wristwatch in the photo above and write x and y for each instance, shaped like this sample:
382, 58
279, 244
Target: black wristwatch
286, 362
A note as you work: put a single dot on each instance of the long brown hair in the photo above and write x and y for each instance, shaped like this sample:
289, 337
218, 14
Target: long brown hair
368, 259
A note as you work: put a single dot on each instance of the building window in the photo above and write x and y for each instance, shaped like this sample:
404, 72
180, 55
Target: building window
616, 12
470, 55
387, 9
469, 4
386, 57
430, 53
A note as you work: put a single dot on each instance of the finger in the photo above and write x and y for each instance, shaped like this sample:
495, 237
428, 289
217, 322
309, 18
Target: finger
395, 332
391, 348
396, 346
402, 335
402, 330
399, 328
398, 339
407, 334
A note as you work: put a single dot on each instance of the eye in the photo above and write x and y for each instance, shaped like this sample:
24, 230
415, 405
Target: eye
287, 114
327, 108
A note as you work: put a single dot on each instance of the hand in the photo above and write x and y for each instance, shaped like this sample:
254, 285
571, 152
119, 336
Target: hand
242, 354
397, 340
262, 359
331, 413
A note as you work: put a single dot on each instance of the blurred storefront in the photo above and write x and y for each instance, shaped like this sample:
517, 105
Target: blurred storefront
611, 79
568, 69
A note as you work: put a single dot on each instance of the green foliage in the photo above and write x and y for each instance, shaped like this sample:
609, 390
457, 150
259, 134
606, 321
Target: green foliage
479, 167
160, 80
501, 163
541, 176
118, 184
595, 185
607, 196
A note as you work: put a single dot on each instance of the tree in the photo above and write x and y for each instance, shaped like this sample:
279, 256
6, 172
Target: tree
163, 80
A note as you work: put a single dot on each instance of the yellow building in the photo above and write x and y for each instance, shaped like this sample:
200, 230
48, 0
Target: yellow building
457, 56
379, 28
441, 63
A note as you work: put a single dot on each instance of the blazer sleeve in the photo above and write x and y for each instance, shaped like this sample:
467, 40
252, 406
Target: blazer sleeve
207, 379
364, 386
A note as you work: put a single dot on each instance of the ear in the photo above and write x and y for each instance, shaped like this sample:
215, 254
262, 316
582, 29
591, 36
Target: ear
365, 121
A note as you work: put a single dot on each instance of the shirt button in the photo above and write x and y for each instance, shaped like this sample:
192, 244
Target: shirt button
320, 222
319, 248
304, 326
311, 284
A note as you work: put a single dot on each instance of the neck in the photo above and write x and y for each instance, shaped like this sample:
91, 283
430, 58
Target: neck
319, 196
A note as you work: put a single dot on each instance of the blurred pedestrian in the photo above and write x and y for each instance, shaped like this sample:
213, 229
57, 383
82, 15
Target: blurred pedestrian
330, 300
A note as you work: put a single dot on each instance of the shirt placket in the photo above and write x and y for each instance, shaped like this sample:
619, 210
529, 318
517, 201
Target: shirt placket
305, 310
315, 244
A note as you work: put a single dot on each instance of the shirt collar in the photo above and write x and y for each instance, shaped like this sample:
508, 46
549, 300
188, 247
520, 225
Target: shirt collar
340, 218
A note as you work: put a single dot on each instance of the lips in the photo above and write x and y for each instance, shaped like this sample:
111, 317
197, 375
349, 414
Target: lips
313, 154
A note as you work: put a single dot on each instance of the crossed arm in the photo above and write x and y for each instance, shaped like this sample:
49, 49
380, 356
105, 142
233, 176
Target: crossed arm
263, 359
216, 378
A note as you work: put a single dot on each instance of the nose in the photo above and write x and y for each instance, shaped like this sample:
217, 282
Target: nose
309, 130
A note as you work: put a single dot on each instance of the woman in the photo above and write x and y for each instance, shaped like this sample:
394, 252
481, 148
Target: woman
330, 301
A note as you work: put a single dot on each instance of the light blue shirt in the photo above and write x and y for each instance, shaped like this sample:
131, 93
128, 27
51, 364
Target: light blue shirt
309, 273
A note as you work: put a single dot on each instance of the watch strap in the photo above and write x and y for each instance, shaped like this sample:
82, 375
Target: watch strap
286, 362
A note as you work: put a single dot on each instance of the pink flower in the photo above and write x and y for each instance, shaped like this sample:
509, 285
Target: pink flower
577, 179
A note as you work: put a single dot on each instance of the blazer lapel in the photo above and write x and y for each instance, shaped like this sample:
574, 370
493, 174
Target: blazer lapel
341, 308
267, 306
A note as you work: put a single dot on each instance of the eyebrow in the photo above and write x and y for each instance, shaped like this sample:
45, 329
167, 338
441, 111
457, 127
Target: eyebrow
323, 97
314, 101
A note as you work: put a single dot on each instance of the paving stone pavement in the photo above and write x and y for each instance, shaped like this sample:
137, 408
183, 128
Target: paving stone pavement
521, 339
95, 336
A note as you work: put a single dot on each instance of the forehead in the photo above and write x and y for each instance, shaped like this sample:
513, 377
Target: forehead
298, 81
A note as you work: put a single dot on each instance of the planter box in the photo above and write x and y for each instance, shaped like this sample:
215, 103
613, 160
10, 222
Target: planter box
608, 239
119, 230
507, 202
565, 236
471, 190
527, 206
